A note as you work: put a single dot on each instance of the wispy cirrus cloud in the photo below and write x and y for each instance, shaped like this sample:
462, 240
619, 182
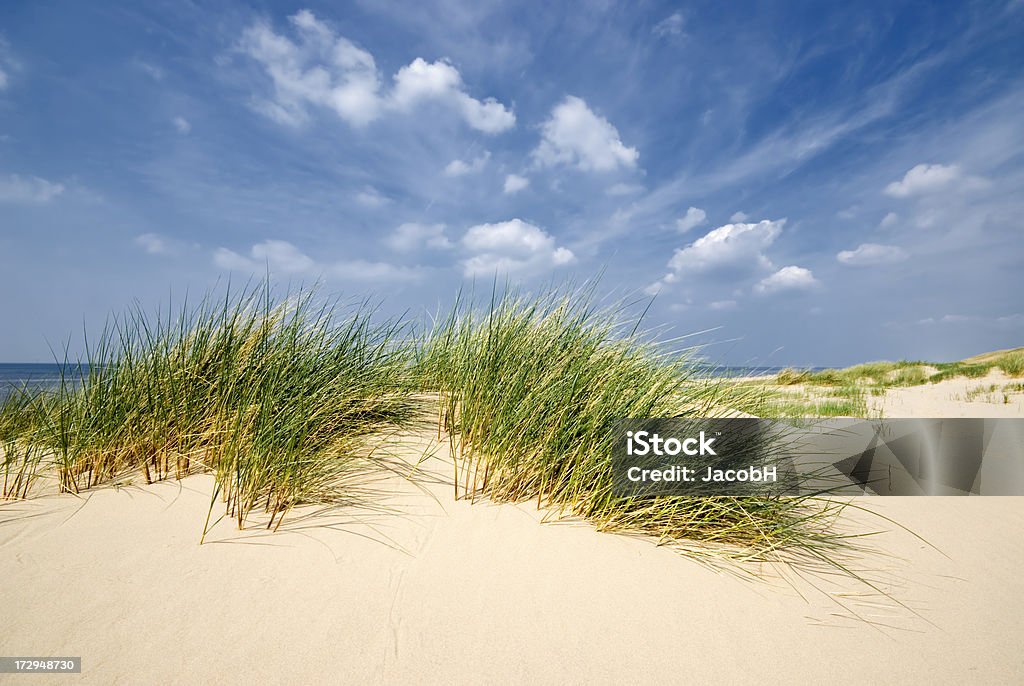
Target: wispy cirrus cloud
32, 190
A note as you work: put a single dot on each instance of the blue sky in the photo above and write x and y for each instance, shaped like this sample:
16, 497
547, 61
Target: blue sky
816, 183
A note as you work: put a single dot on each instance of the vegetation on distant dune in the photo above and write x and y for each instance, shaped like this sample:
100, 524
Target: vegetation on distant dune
880, 375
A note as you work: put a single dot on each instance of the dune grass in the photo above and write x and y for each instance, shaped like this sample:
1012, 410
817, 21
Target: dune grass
1012, 363
21, 458
277, 398
881, 375
530, 388
269, 396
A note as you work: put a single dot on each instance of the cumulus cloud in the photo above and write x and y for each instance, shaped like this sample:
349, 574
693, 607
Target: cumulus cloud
922, 179
889, 220
515, 183
277, 256
283, 257
461, 168
440, 81
323, 69
791, 278
867, 254
413, 236
735, 250
511, 246
720, 305
182, 125
29, 190
739, 217
575, 135
732, 246
693, 218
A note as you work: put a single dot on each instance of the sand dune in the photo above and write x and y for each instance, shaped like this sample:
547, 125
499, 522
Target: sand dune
995, 395
453, 592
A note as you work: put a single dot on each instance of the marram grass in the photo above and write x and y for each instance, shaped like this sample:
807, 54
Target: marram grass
276, 399
530, 388
270, 397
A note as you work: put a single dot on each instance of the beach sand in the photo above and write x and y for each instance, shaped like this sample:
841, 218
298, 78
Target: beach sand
445, 591
995, 395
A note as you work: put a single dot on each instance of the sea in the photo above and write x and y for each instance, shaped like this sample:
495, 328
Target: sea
45, 376
27, 375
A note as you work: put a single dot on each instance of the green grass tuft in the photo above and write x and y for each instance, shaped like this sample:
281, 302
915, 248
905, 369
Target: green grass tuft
530, 388
269, 396
1012, 363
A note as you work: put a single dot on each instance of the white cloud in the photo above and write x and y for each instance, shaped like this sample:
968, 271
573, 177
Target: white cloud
182, 125
720, 305
322, 70
511, 246
728, 246
889, 220
371, 197
326, 70
867, 254
474, 166
8, 64
30, 190
791, 278
152, 243
694, 217
620, 189
515, 183
277, 256
922, 179
669, 26
739, 217
412, 236
282, 257
573, 134
421, 80
654, 288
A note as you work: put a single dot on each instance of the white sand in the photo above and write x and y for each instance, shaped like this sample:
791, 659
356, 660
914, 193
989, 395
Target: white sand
457, 593
995, 395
